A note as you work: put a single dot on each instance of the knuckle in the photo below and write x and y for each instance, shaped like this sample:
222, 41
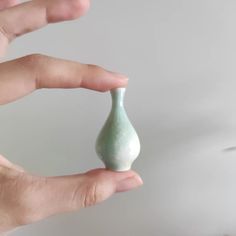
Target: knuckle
35, 63
23, 214
32, 60
86, 195
90, 196
5, 33
94, 193
12, 196
98, 84
23, 202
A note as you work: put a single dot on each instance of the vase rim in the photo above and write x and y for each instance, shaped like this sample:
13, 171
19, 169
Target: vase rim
118, 89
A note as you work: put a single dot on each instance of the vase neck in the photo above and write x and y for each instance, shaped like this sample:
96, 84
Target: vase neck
118, 96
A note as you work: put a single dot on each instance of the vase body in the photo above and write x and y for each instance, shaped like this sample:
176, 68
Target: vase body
118, 144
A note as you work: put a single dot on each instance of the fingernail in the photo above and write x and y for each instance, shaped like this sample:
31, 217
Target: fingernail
121, 76
129, 183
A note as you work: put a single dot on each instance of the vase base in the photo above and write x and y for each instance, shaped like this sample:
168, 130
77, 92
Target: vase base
118, 169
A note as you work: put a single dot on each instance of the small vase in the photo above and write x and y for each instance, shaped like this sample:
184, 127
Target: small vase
118, 144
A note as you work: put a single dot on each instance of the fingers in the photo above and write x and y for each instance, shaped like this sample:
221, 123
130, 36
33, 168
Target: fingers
70, 193
22, 76
32, 15
7, 3
35, 14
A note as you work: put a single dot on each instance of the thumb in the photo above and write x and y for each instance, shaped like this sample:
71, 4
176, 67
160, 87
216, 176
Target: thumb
55, 195
100, 184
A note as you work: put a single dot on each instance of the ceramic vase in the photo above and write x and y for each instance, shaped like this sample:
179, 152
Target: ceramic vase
118, 144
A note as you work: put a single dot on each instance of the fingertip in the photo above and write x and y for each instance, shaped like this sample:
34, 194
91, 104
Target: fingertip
139, 179
123, 79
123, 82
115, 80
119, 75
129, 183
114, 175
99, 79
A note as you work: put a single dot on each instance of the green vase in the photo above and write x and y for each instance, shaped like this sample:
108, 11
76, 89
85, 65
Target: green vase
118, 143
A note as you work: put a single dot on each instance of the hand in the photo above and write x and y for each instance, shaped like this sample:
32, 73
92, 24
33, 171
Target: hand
26, 198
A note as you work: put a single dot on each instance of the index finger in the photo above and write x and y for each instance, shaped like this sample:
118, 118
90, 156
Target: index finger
22, 76
32, 15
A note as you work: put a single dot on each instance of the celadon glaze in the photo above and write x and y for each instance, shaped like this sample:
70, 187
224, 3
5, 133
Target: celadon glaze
118, 143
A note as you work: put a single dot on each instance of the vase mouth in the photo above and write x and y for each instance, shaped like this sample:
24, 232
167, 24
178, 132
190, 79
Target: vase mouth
117, 95
121, 89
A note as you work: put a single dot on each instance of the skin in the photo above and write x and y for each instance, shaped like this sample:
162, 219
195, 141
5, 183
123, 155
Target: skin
24, 197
